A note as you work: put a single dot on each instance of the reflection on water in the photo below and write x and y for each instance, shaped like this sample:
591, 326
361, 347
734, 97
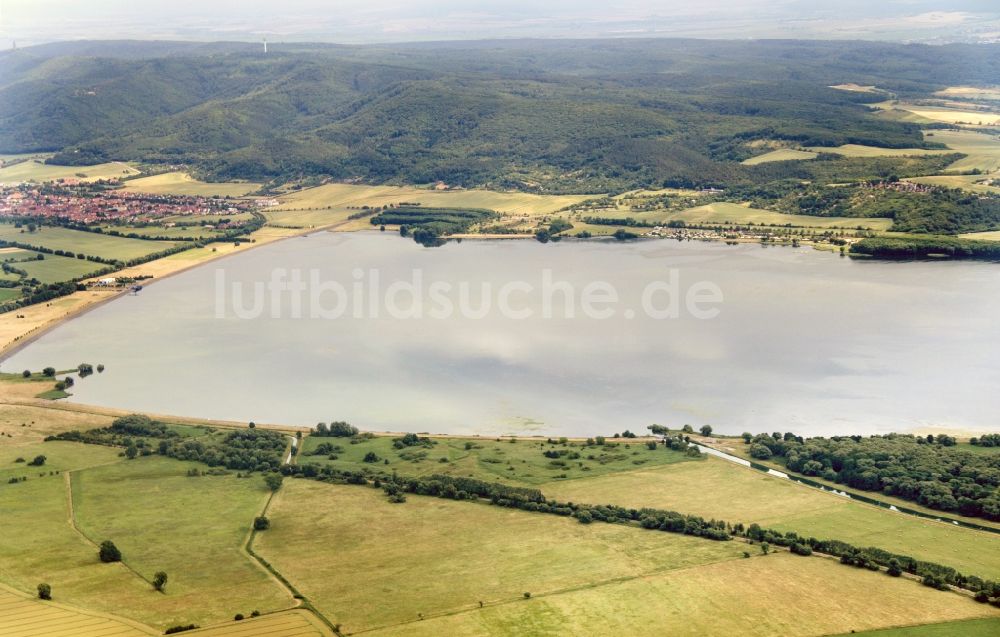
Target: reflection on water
804, 340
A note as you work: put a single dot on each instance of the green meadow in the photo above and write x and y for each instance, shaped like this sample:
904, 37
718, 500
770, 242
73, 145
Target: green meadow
88, 243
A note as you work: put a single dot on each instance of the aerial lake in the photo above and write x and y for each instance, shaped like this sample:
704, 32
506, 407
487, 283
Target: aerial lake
744, 338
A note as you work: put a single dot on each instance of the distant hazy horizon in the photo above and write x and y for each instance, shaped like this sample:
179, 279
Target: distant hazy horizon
370, 21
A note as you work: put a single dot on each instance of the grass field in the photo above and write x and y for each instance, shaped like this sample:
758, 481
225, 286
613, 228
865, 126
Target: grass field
385, 563
54, 269
965, 628
9, 294
89, 243
782, 154
438, 558
191, 527
39, 172
736, 213
24, 617
716, 488
983, 150
39, 544
180, 183
780, 594
343, 195
521, 463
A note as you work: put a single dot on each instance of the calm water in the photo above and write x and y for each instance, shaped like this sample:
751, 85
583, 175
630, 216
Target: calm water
804, 340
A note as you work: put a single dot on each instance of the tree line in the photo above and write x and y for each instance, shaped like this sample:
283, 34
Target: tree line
928, 470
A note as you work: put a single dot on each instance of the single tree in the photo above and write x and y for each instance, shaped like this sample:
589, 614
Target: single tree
44, 591
26, 373
109, 552
765, 548
273, 481
49, 371
261, 523
706, 430
159, 581
37, 461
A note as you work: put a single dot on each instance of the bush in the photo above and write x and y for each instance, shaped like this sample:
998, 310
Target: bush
371, 457
238, 617
759, 451
44, 591
173, 630
261, 523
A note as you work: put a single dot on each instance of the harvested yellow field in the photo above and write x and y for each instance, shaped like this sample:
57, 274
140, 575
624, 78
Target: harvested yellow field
782, 154
856, 88
27, 424
954, 116
291, 623
993, 235
343, 195
971, 92
738, 213
856, 150
778, 594
37, 171
180, 183
24, 617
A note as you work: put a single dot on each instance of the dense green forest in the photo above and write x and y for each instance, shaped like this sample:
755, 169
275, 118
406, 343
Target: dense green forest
929, 470
925, 247
568, 116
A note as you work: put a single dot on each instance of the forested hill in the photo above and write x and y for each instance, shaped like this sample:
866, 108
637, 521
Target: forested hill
553, 115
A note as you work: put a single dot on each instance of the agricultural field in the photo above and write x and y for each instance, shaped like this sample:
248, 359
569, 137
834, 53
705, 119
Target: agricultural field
964, 628
704, 601
782, 154
972, 183
520, 463
343, 195
35, 171
53, 269
88, 243
983, 150
716, 488
955, 116
40, 545
290, 623
25, 617
181, 183
438, 559
432, 556
971, 92
162, 519
855, 150
737, 213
